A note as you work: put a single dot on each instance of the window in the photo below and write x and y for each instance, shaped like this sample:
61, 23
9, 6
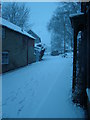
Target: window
5, 58
3, 32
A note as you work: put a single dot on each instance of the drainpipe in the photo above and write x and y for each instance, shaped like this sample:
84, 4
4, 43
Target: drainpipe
27, 51
74, 60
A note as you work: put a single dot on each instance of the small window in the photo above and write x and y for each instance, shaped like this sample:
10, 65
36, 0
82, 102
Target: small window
3, 32
5, 58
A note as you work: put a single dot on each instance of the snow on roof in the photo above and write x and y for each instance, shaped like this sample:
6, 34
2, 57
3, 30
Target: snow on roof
76, 14
14, 27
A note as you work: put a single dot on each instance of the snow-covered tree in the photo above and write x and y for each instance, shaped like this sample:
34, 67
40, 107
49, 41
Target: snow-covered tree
60, 26
17, 13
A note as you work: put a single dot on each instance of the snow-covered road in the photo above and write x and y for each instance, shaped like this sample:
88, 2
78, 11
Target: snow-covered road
40, 90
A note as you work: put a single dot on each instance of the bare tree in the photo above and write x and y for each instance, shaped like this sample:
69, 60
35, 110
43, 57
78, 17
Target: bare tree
17, 13
60, 26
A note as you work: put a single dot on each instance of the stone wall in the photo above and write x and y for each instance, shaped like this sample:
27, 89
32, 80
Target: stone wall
17, 47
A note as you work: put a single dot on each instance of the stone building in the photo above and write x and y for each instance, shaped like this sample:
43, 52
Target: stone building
17, 46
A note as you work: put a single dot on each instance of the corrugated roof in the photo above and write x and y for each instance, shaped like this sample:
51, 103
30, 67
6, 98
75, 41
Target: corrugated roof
14, 27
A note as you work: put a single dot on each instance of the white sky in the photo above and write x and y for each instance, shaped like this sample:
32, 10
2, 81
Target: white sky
41, 12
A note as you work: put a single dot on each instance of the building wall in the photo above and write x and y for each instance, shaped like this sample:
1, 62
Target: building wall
88, 48
88, 60
31, 55
0, 48
37, 40
16, 45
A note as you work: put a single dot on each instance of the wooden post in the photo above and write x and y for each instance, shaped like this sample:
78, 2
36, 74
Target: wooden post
74, 60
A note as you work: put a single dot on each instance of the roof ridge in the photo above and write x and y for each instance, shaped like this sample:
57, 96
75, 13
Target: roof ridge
14, 27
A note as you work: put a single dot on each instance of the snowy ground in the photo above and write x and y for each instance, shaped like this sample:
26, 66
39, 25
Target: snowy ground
40, 90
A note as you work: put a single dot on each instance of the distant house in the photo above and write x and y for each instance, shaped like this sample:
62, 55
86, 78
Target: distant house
39, 47
17, 46
38, 39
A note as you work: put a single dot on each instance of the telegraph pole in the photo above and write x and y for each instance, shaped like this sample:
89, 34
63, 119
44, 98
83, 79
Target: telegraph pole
64, 36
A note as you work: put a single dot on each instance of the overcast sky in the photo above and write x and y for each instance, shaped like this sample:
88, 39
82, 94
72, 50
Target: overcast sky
41, 12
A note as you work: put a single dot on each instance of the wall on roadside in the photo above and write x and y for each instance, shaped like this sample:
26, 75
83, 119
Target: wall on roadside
16, 45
